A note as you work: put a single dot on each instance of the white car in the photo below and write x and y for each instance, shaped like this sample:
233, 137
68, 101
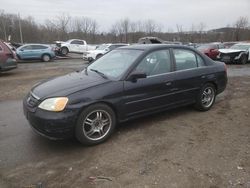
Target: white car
238, 53
100, 51
74, 45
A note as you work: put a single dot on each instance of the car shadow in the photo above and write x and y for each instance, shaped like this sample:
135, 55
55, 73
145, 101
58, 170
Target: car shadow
144, 122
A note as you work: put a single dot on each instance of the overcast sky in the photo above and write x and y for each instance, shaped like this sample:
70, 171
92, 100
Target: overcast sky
214, 13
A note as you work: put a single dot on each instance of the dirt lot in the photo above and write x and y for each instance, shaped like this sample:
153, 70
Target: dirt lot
178, 148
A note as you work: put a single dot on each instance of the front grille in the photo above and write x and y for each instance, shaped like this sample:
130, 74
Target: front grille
32, 101
230, 55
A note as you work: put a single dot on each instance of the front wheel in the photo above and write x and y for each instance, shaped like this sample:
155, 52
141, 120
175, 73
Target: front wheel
95, 124
243, 59
206, 97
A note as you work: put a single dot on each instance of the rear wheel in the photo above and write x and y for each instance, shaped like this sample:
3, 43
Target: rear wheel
206, 97
46, 58
95, 124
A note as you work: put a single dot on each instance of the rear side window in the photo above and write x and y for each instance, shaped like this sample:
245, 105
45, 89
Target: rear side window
184, 59
200, 61
38, 47
77, 42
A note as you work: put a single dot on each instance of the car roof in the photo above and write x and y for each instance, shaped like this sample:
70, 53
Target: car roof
148, 47
35, 44
243, 43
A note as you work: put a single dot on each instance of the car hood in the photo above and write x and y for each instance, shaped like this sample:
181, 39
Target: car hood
228, 51
67, 84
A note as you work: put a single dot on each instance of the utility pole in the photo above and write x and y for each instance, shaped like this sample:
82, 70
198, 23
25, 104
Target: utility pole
20, 29
4, 27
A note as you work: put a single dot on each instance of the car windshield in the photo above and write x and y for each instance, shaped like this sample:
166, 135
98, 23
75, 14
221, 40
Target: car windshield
240, 47
115, 63
102, 47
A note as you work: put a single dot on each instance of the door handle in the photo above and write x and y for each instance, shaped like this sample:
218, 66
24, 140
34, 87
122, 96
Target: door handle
203, 76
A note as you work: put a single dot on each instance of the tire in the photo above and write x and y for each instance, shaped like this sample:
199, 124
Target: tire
243, 59
46, 58
95, 124
206, 97
98, 56
64, 51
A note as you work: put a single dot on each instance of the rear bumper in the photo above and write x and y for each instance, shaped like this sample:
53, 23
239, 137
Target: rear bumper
8, 65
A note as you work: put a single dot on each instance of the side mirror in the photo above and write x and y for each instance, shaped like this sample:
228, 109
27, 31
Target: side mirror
134, 76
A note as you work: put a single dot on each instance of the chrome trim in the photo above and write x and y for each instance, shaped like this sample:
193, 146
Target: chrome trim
35, 96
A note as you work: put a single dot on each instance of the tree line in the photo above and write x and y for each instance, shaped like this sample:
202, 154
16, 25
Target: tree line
65, 27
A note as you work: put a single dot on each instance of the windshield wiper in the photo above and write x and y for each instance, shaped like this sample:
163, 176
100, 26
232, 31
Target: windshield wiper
100, 73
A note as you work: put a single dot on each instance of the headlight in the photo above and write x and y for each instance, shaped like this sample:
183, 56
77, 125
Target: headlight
54, 104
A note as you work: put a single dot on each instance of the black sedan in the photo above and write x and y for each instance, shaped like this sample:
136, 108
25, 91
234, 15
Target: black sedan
126, 83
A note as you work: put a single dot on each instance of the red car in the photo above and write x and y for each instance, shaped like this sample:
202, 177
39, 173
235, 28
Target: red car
211, 49
7, 58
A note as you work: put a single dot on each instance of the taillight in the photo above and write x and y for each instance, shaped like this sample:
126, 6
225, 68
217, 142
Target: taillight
9, 55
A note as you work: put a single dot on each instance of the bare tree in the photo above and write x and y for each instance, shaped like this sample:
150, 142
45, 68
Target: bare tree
151, 27
201, 28
240, 25
121, 29
62, 24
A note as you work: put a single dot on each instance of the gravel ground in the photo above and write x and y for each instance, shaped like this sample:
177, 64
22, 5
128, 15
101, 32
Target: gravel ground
178, 148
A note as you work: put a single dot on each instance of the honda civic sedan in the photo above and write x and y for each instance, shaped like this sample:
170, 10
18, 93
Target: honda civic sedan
127, 83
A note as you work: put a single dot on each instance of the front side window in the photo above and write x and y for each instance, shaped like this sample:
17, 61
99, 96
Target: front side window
26, 48
157, 62
184, 59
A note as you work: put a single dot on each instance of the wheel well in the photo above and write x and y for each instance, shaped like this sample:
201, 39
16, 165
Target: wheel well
99, 55
214, 84
65, 47
102, 102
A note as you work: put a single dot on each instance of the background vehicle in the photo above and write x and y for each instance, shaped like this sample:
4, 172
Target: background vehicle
211, 49
74, 45
155, 40
100, 51
35, 51
126, 83
7, 58
238, 53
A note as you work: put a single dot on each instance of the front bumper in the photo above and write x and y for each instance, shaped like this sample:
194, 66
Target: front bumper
53, 125
230, 58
